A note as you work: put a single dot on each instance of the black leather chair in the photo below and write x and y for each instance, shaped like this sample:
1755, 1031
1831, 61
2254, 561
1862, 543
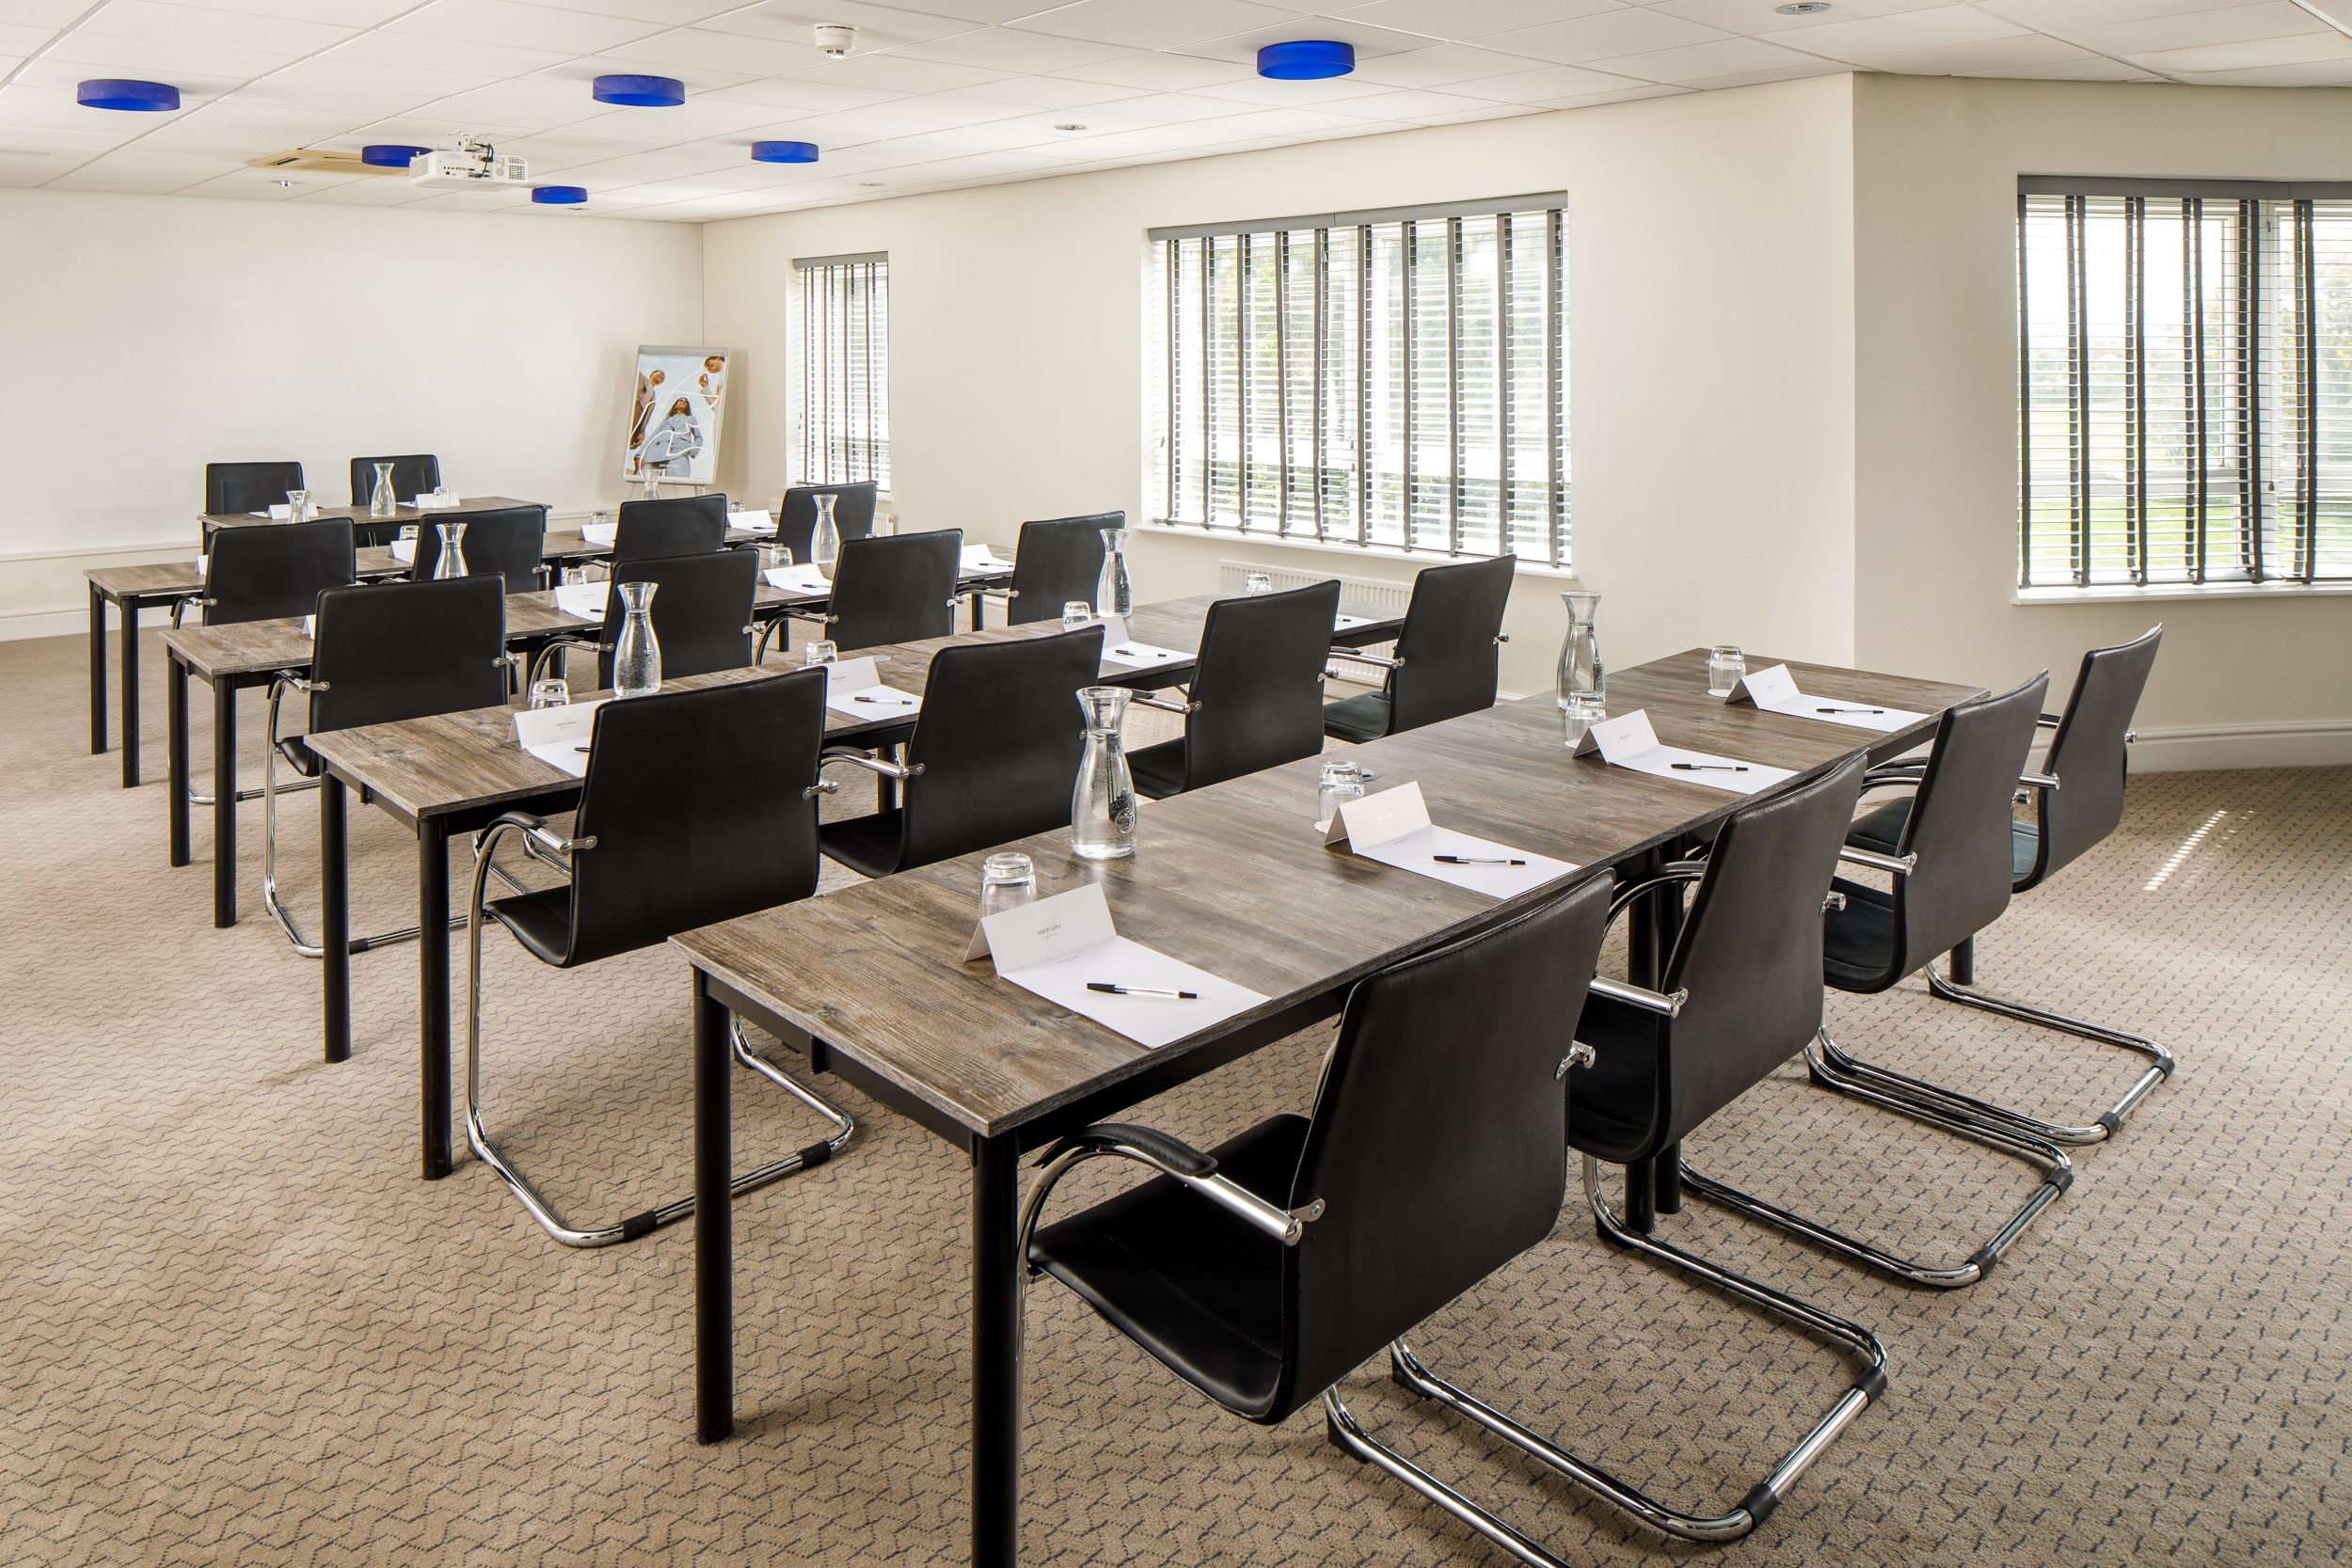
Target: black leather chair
233, 487
1740, 994
1265, 1271
1056, 561
1950, 872
413, 474
2089, 757
674, 524
993, 757
668, 837
269, 573
1445, 662
1257, 698
509, 543
702, 615
895, 589
380, 654
852, 514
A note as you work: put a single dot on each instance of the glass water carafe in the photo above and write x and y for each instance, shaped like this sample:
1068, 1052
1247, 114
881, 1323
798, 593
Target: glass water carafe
1581, 674
381, 501
637, 656
1103, 806
1111, 594
824, 542
452, 561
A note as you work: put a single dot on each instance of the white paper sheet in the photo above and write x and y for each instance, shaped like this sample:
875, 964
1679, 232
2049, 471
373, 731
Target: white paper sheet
585, 599
801, 579
1628, 741
1343, 623
278, 514
853, 687
977, 561
405, 549
606, 534
203, 565
1774, 690
309, 623
1122, 652
559, 734
1056, 946
751, 522
1394, 828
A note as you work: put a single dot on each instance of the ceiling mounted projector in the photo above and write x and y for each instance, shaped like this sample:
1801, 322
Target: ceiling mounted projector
474, 165
835, 39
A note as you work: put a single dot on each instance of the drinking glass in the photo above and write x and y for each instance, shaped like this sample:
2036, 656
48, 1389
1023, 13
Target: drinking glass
408, 537
1076, 613
573, 577
1341, 782
1580, 712
549, 693
1007, 882
297, 506
1726, 664
1257, 582
600, 519
775, 556
819, 653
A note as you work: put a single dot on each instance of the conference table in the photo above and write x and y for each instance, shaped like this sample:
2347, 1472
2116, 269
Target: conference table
367, 529
454, 773
869, 982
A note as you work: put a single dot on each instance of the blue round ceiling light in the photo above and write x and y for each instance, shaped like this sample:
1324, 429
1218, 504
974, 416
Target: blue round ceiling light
1308, 60
641, 93
783, 151
559, 195
138, 96
390, 154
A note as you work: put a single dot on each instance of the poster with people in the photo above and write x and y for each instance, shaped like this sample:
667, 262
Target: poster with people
674, 420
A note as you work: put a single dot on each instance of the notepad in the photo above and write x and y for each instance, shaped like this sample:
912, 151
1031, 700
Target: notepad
977, 559
1346, 623
853, 687
751, 522
803, 579
1124, 652
1055, 947
1774, 690
607, 534
583, 599
405, 549
1394, 828
559, 734
1629, 742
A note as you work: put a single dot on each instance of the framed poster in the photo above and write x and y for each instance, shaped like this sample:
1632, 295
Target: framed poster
674, 420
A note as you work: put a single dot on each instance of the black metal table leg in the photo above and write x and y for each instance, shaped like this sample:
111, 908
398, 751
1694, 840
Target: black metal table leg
995, 1355
176, 717
714, 1222
335, 917
1669, 1189
224, 804
433, 993
128, 608
97, 670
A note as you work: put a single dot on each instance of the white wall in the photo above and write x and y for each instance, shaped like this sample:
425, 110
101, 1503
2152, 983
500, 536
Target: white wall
2241, 682
1709, 319
150, 335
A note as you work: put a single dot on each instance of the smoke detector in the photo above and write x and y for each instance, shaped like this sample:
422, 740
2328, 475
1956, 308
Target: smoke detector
835, 39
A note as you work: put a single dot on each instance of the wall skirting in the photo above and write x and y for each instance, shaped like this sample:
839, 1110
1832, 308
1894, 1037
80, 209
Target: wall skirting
68, 621
2278, 743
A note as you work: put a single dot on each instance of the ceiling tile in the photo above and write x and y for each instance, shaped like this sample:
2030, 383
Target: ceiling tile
307, 95
18, 39
2082, 68
1751, 17
1369, 42
1547, 83
51, 80
1892, 35
1473, 19
353, 76
1485, 111
1160, 73
1778, 73
1171, 108
2330, 74
879, 27
340, 13
1266, 93
701, 49
1042, 92
363, 193
1961, 60
1603, 37
897, 73
1156, 23
807, 94
49, 15
157, 58
1159, 138
2238, 23
2070, 16
1440, 65
486, 60
670, 13
1281, 122
1623, 95
1702, 61
523, 26
2302, 49
983, 164
1003, 49
1417, 106
271, 35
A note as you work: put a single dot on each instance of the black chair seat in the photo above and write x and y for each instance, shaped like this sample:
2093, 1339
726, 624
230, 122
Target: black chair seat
1191, 1283
866, 844
1614, 1108
542, 922
1859, 942
1158, 771
300, 757
1881, 829
1358, 718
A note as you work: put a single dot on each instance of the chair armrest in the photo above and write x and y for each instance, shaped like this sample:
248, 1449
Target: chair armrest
2047, 721
2039, 780
1172, 1157
533, 827
1640, 996
821, 617
1163, 705
1673, 871
872, 764
1164, 1149
1899, 865
1375, 660
539, 660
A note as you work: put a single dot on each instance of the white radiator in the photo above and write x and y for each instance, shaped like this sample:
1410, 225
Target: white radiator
1233, 576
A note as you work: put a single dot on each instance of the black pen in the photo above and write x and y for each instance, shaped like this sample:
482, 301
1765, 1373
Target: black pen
1850, 710
579, 747
1716, 767
1109, 989
899, 701
1473, 859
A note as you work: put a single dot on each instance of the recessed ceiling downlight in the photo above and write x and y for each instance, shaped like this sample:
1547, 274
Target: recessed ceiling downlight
1803, 8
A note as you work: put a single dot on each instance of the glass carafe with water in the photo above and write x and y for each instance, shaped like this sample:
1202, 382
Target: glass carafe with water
637, 656
1103, 806
1582, 683
1111, 594
824, 540
452, 561
381, 502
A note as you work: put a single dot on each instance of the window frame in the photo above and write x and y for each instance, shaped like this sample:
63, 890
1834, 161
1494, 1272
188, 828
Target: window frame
840, 411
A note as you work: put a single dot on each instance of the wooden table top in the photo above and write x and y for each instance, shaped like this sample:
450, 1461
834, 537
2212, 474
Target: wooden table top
256, 647
162, 578
459, 762
359, 514
1235, 880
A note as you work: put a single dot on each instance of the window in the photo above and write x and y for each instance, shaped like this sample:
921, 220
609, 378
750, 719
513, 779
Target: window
845, 369
1394, 378
2185, 382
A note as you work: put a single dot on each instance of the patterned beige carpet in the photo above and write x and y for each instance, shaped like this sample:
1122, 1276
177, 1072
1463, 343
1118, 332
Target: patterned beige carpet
241, 1331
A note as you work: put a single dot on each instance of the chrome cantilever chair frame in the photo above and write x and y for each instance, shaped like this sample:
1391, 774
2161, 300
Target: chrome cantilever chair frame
556, 851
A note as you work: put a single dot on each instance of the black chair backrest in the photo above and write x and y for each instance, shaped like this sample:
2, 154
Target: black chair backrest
852, 514
413, 474
1260, 683
674, 524
403, 650
998, 741
1959, 825
1057, 560
702, 612
509, 542
682, 797
1450, 661
263, 574
1438, 1136
231, 487
2088, 754
895, 589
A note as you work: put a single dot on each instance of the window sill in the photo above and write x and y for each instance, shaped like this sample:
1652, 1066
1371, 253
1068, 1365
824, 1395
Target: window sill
1377, 552
2180, 592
